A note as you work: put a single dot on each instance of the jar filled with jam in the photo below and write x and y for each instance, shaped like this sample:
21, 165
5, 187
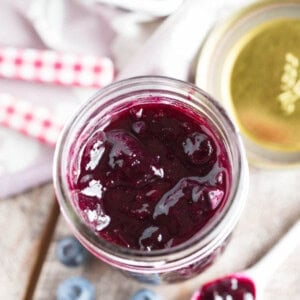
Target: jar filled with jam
152, 178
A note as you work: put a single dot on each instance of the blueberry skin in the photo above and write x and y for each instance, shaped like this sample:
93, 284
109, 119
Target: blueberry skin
76, 288
70, 252
145, 294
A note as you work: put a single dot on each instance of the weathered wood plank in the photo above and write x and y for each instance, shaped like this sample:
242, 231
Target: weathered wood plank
272, 208
110, 284
23, 221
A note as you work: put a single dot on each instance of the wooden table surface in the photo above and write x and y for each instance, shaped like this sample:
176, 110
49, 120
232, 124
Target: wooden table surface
31, 225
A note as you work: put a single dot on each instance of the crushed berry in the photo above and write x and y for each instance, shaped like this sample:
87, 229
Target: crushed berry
236, 288
152, 178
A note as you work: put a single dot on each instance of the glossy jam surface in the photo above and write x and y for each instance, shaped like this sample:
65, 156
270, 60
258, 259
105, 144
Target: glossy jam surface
229, 288
151, 177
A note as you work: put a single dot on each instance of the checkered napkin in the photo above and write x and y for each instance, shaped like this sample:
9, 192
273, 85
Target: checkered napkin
45, 66
28, 119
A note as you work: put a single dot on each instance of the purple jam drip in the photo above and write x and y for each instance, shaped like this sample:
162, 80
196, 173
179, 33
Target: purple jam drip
152, 178
234, 288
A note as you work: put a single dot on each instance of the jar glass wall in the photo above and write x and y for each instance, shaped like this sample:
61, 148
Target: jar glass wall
194, 255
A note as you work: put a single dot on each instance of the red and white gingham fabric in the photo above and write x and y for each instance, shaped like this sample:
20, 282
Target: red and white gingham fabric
33, 121
49, 66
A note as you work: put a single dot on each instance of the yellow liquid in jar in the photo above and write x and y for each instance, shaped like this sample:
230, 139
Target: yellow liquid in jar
265, 84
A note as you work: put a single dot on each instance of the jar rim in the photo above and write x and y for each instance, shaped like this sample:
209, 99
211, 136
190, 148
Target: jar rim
186, 251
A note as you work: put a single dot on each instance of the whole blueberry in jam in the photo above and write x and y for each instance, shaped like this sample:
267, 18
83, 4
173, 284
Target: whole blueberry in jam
151, 177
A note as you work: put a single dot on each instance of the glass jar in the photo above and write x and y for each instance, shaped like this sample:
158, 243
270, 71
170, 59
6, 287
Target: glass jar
192, 256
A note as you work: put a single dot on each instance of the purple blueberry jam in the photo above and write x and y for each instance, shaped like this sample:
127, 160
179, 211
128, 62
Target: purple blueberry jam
233, 288
151, 177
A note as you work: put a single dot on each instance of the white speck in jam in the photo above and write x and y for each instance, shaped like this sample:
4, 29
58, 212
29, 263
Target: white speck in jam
98, 218
95, 155
147, 234
95, 189
158, 172
159, 238
215, 197
92, 215
217, 297
234, 284
139, 113
248, 296
103, 221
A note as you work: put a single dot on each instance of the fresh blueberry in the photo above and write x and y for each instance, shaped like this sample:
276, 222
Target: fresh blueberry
76, 288
145, 294
70, 252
